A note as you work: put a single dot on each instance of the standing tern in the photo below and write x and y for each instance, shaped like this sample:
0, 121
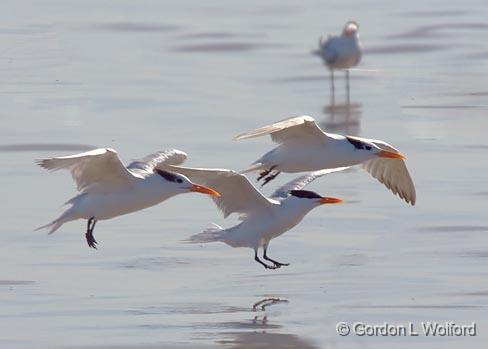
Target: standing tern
109, 189
263, 219
341, 52
303, 146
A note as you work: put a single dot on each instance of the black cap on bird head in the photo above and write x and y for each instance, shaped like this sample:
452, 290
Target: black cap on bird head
307, 194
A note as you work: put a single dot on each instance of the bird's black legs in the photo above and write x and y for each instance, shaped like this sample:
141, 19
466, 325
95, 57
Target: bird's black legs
90, 239
266, 266
276, 263
264, 173
268, 175
347, 86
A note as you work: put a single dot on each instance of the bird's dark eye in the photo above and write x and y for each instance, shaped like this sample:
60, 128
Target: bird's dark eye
368, 147
179, 180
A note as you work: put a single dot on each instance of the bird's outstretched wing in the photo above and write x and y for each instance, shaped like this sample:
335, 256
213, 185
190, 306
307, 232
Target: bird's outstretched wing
92, 170
300, 182
300, 127
237, 194
393, 173
147, 164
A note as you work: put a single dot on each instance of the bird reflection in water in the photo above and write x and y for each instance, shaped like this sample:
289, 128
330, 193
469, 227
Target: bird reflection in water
260, 338
342, 118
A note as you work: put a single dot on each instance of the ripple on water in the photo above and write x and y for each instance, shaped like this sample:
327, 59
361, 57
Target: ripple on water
403, 48
45, 147
16, 282
133, 27
154, 263
454, 228
189, 308
224, 47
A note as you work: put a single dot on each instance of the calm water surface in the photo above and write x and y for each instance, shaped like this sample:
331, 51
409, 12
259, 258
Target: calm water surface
143, 76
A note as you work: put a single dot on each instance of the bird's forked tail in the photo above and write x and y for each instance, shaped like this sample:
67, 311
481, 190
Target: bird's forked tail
254, 167
211, 234
53, 226
66, 216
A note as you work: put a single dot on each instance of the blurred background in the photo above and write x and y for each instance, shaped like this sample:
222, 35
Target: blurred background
141, 76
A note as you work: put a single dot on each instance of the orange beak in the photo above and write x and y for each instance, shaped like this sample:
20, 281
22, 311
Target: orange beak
391, 155
330, 200
204, 190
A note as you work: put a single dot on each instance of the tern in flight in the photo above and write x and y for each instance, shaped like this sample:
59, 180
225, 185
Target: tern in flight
109, 189
341, 52
263, 219
303, 147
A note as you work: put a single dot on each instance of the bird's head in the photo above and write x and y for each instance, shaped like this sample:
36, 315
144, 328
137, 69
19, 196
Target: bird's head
311, 199
350, 29
181, 184
366, 150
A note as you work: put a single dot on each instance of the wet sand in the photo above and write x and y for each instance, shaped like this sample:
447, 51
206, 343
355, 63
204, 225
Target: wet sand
139, 77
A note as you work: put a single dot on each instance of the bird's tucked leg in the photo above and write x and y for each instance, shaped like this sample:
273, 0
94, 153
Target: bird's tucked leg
270, 177
90, 239
264, 173
276, 263
266, 266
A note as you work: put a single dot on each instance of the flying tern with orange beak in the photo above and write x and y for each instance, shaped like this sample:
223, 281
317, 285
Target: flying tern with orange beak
263, 219
109, 189
303, 146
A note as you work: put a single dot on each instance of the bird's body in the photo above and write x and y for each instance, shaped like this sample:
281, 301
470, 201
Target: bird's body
144, 193
109, 189
289, 156
264, 225
263, 219
303, 146
341, 52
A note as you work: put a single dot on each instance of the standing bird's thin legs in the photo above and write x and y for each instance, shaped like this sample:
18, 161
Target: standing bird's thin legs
266, 266
276, 263
90, 239
347, 87
332, 87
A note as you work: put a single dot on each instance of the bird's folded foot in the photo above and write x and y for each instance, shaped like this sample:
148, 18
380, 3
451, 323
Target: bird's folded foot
266, 266
270, 177
275, 263
264, 173
90, 239
274, 266
278, 264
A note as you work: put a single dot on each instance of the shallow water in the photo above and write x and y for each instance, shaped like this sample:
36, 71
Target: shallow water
140, 77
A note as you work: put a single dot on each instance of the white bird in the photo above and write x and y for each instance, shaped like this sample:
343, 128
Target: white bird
263, 219
341, 52
109, 189
303, 146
